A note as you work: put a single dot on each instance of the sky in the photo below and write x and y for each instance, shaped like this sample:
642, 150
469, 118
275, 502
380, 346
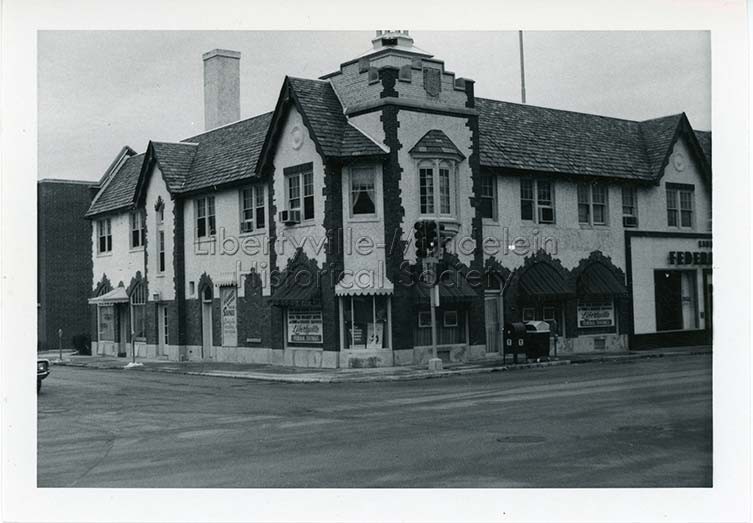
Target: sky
100, 90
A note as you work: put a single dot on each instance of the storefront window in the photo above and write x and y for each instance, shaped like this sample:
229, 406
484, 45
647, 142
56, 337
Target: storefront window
450, 326
107, 323
595, 313
365, 322
305, 327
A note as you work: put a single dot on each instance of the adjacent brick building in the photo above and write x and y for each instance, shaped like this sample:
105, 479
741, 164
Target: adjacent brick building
289, 237
64, 260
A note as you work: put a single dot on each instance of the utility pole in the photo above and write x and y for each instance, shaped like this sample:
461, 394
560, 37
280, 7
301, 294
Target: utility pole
435, 363
60, 343
522, 69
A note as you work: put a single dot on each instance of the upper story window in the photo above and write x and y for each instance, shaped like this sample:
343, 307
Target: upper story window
437, 187
137, 229
104, 235
362, 191
488, 197
629, 206
593, 202
160, 251
680, 205
253, 209
537, 200
205, 220
299, 189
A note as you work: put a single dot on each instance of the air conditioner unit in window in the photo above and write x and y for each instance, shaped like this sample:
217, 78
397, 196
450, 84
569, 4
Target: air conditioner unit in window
290, 217
630, 221
546, 215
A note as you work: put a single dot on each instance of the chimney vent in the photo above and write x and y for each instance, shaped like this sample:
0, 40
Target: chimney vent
222, 91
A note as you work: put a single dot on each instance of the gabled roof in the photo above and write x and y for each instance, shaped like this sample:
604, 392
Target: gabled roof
119, 191
704, 140
323, 115
526, 137
436, 142
174, 160
226, 154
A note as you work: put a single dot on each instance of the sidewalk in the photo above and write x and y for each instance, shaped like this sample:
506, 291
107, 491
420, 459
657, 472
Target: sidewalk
304, 375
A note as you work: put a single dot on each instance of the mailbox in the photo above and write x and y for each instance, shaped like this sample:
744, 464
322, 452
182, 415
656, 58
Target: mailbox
515, 340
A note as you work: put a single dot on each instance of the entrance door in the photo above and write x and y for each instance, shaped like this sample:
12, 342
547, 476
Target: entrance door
493, 331
668, 300
206, 322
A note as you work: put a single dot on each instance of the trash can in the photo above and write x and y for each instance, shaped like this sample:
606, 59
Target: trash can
515, 340
537, 339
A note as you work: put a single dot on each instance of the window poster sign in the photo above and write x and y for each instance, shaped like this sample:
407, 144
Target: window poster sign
595, 314
376, 331
305, 326
228, 304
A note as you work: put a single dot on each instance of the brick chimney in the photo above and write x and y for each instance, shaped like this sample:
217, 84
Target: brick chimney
222, 89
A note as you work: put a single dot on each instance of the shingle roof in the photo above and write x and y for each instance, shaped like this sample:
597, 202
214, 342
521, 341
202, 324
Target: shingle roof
324, 113
542, 139
175, 161
226, 154
118, 193
704, 139
657, 139
436, 142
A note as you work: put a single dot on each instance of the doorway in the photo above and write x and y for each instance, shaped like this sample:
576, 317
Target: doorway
206, 321
708, 300
123, 323
492, 322
676, 300
161, 330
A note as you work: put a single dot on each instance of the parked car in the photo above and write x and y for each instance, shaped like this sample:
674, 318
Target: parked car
43, 370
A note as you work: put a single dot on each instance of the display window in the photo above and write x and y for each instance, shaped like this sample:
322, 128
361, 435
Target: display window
365, 322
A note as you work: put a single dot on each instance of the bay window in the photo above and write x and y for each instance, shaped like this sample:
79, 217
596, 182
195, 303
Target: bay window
437, 188
362, 191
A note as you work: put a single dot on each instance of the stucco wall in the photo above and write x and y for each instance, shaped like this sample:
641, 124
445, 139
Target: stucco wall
413, 126
162, 282
228, 253
310, 234
122, 263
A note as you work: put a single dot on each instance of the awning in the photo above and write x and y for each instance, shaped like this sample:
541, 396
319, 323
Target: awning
598, 280
453, 287
378, 289
294, 294
117, 295
542, 280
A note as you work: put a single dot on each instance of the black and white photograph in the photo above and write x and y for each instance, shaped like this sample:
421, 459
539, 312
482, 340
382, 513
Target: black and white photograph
445, 263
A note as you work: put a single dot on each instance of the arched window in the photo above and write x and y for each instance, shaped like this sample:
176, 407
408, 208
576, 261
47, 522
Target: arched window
138, 310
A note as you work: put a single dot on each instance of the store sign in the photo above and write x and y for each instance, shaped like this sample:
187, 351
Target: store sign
595, 314
690, 258
305, 326
229, 320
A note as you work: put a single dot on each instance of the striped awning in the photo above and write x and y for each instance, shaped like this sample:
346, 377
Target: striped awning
542, 280
117, 295
598, 280
378, 289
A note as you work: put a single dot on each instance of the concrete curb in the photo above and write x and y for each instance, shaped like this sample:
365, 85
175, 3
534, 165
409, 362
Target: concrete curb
343, 376
324, 378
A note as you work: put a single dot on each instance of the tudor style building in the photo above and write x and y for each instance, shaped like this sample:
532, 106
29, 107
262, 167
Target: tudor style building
288, 238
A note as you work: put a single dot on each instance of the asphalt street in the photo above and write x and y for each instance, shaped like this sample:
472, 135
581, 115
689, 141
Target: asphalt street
640, 423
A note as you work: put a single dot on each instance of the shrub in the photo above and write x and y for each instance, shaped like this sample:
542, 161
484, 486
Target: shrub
82, 344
